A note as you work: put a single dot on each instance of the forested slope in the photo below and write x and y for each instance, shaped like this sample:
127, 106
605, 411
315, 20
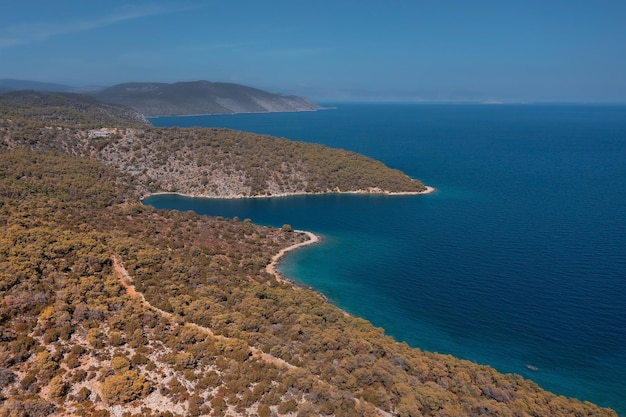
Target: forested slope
73, 340
216, 334
65, 109
198, 161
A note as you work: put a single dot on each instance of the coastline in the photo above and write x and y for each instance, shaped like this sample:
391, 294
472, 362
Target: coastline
271, 267
235, 113
428, 190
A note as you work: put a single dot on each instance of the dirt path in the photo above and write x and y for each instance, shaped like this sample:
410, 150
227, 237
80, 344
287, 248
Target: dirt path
126, 281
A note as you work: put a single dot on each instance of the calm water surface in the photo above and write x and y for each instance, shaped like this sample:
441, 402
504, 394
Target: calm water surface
517, 260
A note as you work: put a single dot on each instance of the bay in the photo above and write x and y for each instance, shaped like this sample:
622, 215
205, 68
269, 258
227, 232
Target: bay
517, 260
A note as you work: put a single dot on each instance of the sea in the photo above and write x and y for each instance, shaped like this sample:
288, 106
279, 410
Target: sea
517, 261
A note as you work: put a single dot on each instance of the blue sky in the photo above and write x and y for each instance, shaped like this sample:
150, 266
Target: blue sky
398, 50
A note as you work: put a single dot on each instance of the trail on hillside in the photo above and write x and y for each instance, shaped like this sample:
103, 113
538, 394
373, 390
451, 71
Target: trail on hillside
127, 282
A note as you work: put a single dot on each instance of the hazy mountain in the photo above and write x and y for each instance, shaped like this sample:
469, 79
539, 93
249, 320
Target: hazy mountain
200, 97
13, 85
182, 98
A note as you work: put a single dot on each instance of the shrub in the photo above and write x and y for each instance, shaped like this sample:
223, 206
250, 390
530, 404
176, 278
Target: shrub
27, 407
120, 364
79, 376
115, 338
185, 360
94, 337
71, 361
125, 387
57, 387
28, 381
139, 359
77, 350
289, 406
264, 410
82, 395
51, 335
218, 405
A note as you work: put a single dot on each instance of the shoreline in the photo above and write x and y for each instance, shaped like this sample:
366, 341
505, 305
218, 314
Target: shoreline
428, 190
275, 261
235, 113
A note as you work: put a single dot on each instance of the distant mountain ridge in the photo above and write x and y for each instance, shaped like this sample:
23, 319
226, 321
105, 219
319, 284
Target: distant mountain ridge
7, 85
200, 97
181, 98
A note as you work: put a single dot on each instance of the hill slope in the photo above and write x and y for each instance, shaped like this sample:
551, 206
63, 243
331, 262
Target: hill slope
15, 85
63, 109
110, 308
206, 162
200, 97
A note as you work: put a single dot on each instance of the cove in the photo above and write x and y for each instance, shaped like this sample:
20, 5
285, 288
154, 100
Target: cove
517, 260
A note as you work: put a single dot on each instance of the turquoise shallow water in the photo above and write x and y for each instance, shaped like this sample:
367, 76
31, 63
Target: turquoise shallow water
517, 260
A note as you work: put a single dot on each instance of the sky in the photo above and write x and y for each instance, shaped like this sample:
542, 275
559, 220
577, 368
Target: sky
329, 50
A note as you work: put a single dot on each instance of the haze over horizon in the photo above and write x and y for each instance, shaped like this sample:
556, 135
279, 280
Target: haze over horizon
335, 51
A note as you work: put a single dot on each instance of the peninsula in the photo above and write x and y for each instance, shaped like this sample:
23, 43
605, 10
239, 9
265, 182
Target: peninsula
181, 98
112, 308
218, 163
200, 97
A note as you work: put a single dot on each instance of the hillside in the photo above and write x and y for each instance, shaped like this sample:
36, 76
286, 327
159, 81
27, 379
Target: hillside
16, 85
216, 335
111, 308
203, 162
65, 109
200, 97
223, 163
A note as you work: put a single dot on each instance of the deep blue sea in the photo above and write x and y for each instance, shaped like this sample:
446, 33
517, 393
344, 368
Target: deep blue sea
519, 258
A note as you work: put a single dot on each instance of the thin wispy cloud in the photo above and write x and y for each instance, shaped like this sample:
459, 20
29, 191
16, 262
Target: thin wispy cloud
27, 33
217, 45
295, 52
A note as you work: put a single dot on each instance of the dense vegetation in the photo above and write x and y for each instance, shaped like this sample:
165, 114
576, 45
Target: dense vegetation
65, 109
226, 163
207, 162
216, 334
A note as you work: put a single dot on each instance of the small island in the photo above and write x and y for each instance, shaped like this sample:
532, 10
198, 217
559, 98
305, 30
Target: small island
111, 308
